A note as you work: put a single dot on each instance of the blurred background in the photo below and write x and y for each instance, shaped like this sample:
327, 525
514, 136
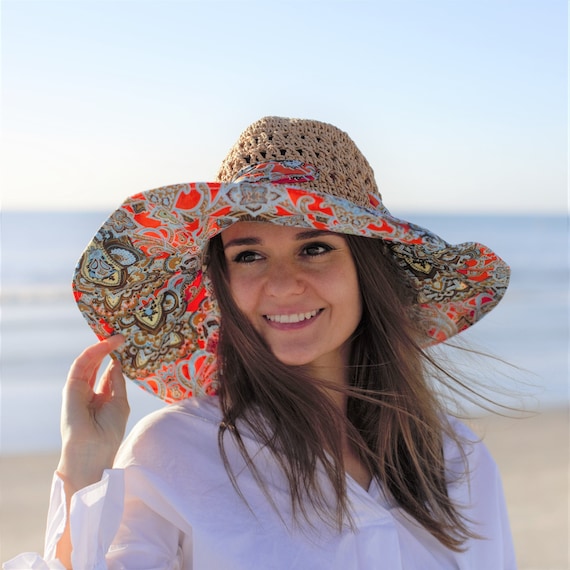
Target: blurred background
459, 106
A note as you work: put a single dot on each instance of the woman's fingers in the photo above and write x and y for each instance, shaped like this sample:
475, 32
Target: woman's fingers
85, 367
118, 384
113, 384
110, 406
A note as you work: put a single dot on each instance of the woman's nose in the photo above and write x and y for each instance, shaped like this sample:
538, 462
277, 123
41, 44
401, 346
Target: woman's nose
283, 279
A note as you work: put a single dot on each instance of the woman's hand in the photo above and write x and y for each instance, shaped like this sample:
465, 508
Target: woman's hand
93, 420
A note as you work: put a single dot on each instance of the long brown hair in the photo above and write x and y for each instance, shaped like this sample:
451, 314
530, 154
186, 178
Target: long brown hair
394, 420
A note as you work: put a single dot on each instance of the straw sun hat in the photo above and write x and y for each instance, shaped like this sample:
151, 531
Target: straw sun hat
142, 274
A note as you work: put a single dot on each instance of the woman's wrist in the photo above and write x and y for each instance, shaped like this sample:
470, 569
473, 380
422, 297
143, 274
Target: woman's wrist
79, 468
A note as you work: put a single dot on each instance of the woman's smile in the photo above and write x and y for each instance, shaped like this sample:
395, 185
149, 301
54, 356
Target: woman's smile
293, 318
299, 289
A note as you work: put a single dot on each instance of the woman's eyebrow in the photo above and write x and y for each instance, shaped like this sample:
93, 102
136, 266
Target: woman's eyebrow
252, 240
310, 234
242, 241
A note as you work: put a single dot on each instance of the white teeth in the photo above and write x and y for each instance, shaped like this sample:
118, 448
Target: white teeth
297, 318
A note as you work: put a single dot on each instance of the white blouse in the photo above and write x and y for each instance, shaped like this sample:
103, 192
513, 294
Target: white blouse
168, 504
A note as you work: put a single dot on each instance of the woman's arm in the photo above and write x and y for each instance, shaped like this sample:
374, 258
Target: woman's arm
93, 422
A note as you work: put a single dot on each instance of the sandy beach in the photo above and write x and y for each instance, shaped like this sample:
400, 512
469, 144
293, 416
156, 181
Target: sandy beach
533, 455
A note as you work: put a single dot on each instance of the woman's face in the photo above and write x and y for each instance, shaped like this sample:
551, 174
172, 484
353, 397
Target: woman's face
299, 289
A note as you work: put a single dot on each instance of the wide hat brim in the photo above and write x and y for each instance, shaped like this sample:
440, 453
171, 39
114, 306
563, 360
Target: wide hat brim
142, 274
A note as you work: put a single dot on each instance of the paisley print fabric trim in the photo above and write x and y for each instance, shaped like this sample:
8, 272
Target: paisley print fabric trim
142, 274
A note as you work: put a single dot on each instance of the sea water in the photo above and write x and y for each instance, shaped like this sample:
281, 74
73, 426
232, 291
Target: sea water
42, 330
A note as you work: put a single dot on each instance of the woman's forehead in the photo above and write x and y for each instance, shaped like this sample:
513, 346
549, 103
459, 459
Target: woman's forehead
267, 230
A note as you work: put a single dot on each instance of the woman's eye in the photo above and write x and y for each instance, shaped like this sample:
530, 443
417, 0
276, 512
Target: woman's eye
314, 249
246, 257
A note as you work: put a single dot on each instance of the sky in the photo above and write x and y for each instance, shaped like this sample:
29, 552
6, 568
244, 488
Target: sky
459, 105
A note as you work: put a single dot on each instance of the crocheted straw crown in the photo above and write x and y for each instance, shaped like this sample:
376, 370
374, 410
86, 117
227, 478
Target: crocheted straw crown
343, 171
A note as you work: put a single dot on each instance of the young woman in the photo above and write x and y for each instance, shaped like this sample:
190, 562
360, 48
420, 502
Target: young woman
286, 317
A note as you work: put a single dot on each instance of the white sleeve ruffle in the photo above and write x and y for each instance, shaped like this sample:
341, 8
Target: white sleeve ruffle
95, 516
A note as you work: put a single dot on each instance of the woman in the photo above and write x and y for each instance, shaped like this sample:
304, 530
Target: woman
304, 430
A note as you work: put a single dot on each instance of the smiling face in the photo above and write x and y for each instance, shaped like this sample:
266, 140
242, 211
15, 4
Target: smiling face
298, 288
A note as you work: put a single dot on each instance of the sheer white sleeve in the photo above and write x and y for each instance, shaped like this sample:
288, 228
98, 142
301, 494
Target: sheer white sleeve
110, 529
94, 519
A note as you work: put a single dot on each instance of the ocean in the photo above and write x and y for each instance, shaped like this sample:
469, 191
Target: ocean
42, 331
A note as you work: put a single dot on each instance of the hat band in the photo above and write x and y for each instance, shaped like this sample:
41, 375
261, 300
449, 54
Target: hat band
278, 172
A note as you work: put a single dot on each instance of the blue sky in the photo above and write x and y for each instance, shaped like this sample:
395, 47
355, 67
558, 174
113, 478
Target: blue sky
459, 105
